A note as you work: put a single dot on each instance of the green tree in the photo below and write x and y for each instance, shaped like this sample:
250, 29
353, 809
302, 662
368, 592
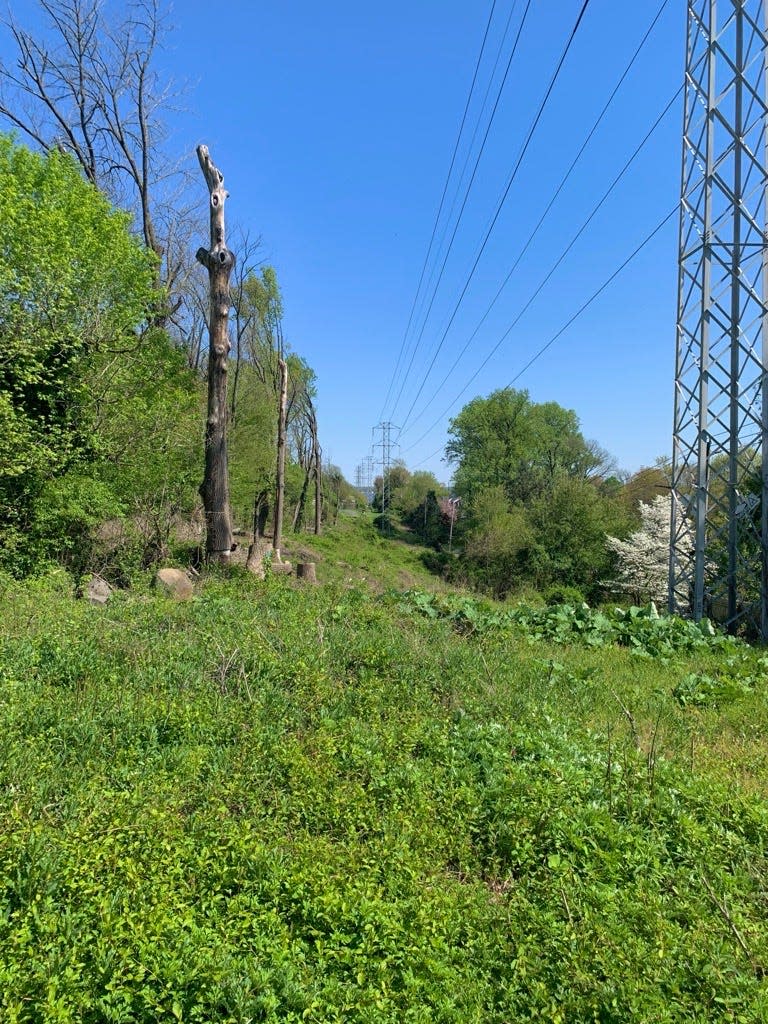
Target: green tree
508, 441
148, 422
644, 486
571, 524
539, 495
74, 287
409, 498
497, 542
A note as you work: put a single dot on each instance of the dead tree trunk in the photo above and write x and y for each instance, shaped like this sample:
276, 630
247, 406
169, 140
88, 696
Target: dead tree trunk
258, 547
318, 484
298, 515
219, 262
281, 444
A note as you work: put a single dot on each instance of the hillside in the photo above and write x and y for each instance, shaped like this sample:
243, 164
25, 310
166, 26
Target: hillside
353, 803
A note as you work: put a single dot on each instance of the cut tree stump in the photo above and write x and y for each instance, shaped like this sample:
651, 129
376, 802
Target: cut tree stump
306, 571
281, 568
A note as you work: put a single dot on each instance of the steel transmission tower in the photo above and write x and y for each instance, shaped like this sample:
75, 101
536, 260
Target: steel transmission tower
720, 445
368, 478
386, 444
364, 477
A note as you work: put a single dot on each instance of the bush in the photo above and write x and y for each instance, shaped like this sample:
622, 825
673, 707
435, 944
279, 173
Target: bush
563, 595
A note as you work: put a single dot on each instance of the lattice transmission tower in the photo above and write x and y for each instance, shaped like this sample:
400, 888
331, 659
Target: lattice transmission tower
364, 477
720, 445
386, 445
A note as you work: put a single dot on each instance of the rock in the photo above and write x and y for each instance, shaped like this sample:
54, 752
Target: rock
174, 583
98, 590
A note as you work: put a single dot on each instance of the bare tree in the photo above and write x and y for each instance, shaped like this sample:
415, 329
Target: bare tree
219, 262
89, 88
281, 445
244, 312
304, 438
318, 481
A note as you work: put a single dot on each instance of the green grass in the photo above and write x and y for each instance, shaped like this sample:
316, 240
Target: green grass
355, 552
277, 803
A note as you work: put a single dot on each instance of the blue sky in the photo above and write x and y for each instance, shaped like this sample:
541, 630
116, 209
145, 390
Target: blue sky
334, 126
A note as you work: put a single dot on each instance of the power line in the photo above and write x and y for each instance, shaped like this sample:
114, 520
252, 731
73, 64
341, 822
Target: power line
442, 200
512, 177
552, 201
470, 148
584, 306
552, 269
464, 202
594, 295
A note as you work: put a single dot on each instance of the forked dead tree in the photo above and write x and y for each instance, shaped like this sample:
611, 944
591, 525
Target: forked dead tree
219, 261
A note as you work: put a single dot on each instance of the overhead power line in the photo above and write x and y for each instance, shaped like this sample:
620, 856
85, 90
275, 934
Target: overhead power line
596, 294
512, 177
442, 199
464, 201
553, 199
547, 277
582, 309
470, 148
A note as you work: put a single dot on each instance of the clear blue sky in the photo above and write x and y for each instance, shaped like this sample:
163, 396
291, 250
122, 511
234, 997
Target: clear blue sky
334, 126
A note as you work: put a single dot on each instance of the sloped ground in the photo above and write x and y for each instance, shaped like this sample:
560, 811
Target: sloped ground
277, 803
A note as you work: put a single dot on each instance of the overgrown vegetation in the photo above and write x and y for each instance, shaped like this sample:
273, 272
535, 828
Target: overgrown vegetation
378, 800
282, 805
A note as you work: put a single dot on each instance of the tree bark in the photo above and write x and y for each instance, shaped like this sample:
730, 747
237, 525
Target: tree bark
219, 262
318, 488
281, 443
298, 515
258, 547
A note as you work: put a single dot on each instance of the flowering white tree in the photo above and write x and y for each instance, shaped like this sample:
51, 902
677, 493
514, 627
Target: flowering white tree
643, 559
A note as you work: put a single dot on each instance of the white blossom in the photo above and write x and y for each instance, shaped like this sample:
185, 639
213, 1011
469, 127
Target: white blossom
643, 559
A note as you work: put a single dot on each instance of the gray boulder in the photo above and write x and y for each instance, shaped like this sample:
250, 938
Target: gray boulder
98, 590
174, 583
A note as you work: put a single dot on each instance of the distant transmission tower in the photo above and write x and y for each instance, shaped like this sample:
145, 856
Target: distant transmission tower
364, 477
720, 446
386, 444
368, 478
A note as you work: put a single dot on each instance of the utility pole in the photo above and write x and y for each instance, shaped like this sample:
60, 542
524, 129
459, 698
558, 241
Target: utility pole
386, 444
453, 502
719, 543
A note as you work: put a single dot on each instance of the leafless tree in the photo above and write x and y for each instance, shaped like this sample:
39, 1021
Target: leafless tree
308, 453
244, 312
88, 86
219, 262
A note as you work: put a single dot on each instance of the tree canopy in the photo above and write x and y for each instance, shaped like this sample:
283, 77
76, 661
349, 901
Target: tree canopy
533, 487
74, 286
508, 441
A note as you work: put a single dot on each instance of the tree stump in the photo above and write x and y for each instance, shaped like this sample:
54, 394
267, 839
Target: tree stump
281, 568
306, 571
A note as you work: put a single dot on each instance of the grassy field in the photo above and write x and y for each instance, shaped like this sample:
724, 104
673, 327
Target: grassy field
354, 551
357, 804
